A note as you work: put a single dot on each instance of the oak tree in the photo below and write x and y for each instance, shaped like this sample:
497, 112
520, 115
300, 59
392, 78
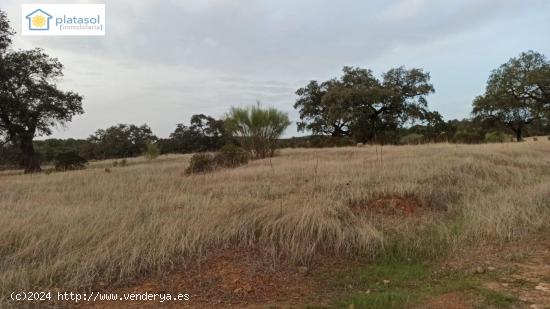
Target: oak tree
30, 102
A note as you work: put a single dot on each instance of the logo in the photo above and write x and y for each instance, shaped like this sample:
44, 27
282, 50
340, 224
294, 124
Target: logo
39, 20
63, 19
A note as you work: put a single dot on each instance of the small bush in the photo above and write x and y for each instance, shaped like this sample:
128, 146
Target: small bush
231, 156
115, 163
69, 161
258, 128
467, 137
123, 163
152, 151
497, 137
201, 163
412, 139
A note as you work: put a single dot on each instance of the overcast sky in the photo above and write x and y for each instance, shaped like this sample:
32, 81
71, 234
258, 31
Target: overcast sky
163, 61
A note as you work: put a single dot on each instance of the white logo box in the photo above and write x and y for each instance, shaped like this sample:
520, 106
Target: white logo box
63, 19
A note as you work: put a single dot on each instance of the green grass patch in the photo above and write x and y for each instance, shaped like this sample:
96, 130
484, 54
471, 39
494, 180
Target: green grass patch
496, 298
382, 285
430, 243
392, 284
383, 299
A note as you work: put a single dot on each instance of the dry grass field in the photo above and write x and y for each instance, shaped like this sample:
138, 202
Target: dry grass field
93, 228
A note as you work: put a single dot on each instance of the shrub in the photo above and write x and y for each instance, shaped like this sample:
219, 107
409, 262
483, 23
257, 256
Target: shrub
467, 136
115, 163
316, 141
152, 151
201, 163
69, 161
257, 128
412, 139
231, 155
123, 163
497, 137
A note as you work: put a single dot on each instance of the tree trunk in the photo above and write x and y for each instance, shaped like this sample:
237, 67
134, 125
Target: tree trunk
517, 128
337, 132
519, 136
31, 162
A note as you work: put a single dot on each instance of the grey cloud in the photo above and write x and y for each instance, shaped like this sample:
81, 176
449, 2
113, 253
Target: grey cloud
166, 60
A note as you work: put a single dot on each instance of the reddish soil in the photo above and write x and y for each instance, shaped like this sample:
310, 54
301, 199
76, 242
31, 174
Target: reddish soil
243, 278
452, 300
520, 269
239, 278
388, 205
529, 277
231, 278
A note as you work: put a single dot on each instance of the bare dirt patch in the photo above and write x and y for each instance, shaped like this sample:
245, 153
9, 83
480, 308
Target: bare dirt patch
387, 205
521, 269
530, 280
453, 300
232, 278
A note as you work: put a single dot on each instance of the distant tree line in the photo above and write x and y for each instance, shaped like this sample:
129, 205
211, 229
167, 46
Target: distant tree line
254, 128
357, 107
127, 140
393, 109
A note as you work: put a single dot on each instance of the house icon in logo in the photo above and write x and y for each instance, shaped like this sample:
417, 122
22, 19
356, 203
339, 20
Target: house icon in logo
39, 20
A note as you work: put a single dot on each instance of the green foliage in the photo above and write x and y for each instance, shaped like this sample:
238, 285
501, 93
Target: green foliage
69, 161
9, 156
517, 93
497, 137
121, 163
50, 148
204, 134
231, 156
362, 106
201, 163
31, 102
152, 151
413, 139
467, 131
316, 141
258, 128
120, 141
5, 32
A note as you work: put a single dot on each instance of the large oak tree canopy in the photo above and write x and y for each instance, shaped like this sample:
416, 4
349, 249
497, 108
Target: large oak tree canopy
30, 102
358, 104
517, 93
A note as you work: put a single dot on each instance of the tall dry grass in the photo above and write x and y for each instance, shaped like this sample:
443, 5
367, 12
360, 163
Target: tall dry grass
86, 228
